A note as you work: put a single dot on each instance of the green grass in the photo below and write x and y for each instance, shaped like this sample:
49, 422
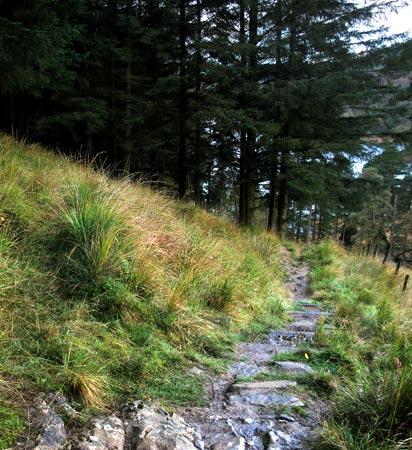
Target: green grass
368, 352
11, 424
111, 292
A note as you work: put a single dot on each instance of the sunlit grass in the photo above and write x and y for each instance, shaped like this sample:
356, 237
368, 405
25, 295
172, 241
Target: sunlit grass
372, 404
111, 291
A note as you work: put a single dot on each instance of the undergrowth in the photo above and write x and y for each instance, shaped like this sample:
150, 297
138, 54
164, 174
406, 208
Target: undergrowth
371, 408
111, 292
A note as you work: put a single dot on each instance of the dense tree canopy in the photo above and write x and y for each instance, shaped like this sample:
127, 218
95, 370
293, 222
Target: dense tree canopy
254, 107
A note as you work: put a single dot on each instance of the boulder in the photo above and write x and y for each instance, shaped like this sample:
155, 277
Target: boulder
105, 433
293, 367
232, 443
246, 370
52, 432
150, 428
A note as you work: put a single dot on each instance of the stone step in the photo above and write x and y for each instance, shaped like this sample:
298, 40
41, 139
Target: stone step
302, 325
265, 400
289, 338
260, 387
311, 313
307, 325
293, 367
246, 370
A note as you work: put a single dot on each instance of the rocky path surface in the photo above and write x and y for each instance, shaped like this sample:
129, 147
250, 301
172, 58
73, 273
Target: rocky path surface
245, 413
256, 405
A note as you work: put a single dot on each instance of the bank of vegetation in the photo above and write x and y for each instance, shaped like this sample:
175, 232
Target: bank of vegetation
110, 291
367, 360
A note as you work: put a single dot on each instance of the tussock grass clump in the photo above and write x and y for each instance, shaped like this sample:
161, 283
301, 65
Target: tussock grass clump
110, 291
372, 405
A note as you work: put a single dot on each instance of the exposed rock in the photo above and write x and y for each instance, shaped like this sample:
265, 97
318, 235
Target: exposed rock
59, 402
279, 440
261, 386
302, 325
290, 339
315, 313
150, 428
258, 352
252, 430
285, 417
265, 400
246, 370
293, 367
287, 438
105, 434
235, 443
273, 441
51, 428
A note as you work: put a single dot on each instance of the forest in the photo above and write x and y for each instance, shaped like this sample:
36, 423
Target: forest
255, 109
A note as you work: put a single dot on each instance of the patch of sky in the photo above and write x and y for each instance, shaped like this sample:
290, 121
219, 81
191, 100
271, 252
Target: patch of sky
370, 151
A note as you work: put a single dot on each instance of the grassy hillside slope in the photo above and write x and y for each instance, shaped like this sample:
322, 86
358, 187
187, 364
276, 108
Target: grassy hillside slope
110, 291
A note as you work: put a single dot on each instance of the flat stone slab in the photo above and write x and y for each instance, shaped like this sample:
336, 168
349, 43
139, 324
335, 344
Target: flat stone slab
265, 400
289, 339
302, 325
246, 370
258, 387
293, 367
312, 313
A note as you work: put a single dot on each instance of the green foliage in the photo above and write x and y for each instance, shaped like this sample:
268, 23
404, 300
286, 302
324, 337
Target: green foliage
319, 255
96, 77
366, 351
379, 411
90, 236
11, 423
221, 294
322, 383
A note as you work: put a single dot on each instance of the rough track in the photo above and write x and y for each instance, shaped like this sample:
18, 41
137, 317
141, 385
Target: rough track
242, 412
270, 415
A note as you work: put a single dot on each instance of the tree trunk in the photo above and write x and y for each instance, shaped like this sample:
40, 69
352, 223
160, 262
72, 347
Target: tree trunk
127, 144
112, 8
335, 226
251, 134
242, 141
309, 230
197, 178
182, 100
242, 179
250, 178
283, 198
273, 190
394, 201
